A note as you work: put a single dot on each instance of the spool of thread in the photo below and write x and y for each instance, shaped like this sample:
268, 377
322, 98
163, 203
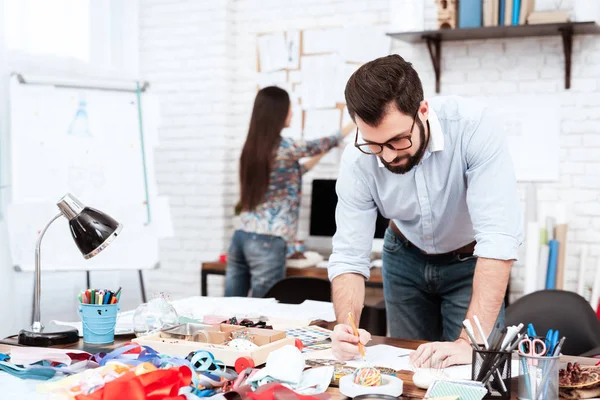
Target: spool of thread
390, 386
368, 376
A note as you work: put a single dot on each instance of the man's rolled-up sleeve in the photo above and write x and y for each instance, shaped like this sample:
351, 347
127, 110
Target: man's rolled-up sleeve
492, 196
355, 217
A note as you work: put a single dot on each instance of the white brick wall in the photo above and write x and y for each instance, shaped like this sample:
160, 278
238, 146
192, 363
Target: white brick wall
186, 52
201, 57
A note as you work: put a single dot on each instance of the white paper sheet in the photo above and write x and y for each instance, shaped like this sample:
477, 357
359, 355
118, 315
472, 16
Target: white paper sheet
380, 356
384, 356
292, 47
319, 81
320, 309
199, 306
319, 123
397, 358
272, 52
318, 41
23, 355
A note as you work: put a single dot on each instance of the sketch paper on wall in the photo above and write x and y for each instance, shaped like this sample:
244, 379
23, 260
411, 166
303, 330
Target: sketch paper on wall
292, 47
319, 81
272, 52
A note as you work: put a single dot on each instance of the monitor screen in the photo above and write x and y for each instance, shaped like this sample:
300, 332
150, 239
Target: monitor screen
322, 210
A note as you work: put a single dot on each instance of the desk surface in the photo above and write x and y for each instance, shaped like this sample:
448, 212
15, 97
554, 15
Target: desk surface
313, 272
410, 390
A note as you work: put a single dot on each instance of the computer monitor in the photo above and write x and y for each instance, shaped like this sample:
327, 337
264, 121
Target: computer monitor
322, 213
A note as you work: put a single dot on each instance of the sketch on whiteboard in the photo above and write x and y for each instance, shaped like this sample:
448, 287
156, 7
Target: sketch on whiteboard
80, 123
104, 168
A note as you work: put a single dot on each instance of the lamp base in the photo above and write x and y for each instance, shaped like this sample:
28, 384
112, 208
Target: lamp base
50, 335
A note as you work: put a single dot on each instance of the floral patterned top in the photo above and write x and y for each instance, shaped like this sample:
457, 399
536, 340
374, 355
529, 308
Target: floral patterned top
278, 214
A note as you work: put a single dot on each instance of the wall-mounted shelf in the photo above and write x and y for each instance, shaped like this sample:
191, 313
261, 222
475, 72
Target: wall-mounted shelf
435, 38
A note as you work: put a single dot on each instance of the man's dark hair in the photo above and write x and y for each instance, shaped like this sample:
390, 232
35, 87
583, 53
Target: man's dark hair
381, 81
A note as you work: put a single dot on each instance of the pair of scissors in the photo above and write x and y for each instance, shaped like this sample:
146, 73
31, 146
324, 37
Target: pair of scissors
551, 342
532, 347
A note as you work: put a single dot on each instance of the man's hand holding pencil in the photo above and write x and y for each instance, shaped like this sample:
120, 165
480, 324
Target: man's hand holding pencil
348, 342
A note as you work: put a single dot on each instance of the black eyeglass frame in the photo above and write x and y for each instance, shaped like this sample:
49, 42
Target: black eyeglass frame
386, 144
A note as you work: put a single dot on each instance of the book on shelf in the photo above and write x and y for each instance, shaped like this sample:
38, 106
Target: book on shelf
548, 17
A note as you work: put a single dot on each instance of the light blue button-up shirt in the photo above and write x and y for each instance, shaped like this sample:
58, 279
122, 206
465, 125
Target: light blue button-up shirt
463, 189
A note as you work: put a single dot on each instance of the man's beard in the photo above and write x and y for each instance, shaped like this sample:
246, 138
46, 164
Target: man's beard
412, 160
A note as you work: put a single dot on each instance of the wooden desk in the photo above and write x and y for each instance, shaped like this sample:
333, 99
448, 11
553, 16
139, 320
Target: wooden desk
410, 391
218, 268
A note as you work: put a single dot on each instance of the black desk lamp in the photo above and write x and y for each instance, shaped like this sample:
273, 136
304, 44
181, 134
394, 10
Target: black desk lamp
92, 231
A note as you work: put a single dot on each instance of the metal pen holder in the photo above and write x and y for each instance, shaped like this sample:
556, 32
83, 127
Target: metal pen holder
493, 368
538, 377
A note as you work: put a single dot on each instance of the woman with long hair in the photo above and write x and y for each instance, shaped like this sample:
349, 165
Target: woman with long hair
271, 188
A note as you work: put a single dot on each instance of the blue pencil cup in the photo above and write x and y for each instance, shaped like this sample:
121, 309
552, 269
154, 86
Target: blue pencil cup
98, 322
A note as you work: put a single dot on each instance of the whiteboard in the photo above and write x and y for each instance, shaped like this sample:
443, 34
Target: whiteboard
531, 125
85, 142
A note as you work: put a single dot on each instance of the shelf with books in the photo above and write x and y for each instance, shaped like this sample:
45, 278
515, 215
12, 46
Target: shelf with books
434, 39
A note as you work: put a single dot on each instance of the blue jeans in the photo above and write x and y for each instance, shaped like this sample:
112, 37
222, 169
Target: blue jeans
425, 300
254, 262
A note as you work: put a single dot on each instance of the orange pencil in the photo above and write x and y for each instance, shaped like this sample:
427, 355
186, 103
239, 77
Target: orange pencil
361, 348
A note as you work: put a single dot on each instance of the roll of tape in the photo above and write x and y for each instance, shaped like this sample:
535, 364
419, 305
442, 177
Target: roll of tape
390, 386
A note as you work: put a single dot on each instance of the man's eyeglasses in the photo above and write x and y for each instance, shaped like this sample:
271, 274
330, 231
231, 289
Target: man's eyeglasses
395, 144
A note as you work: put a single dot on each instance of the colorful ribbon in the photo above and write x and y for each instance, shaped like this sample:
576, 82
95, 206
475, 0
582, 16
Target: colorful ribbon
163, 384
207, 373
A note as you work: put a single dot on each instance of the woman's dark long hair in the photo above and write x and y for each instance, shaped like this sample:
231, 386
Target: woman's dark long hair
270, 111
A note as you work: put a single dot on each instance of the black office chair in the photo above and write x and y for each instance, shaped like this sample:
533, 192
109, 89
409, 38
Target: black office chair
566, 311
296, 289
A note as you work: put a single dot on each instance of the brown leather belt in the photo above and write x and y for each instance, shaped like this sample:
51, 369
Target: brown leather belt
465, 251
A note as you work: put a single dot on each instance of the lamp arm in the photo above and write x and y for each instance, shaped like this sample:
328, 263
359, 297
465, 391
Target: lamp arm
37, 324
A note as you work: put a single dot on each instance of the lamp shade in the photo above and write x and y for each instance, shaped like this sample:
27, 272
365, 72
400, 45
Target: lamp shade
91, 229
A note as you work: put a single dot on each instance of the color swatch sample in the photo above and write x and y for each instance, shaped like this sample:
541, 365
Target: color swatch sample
310, 334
